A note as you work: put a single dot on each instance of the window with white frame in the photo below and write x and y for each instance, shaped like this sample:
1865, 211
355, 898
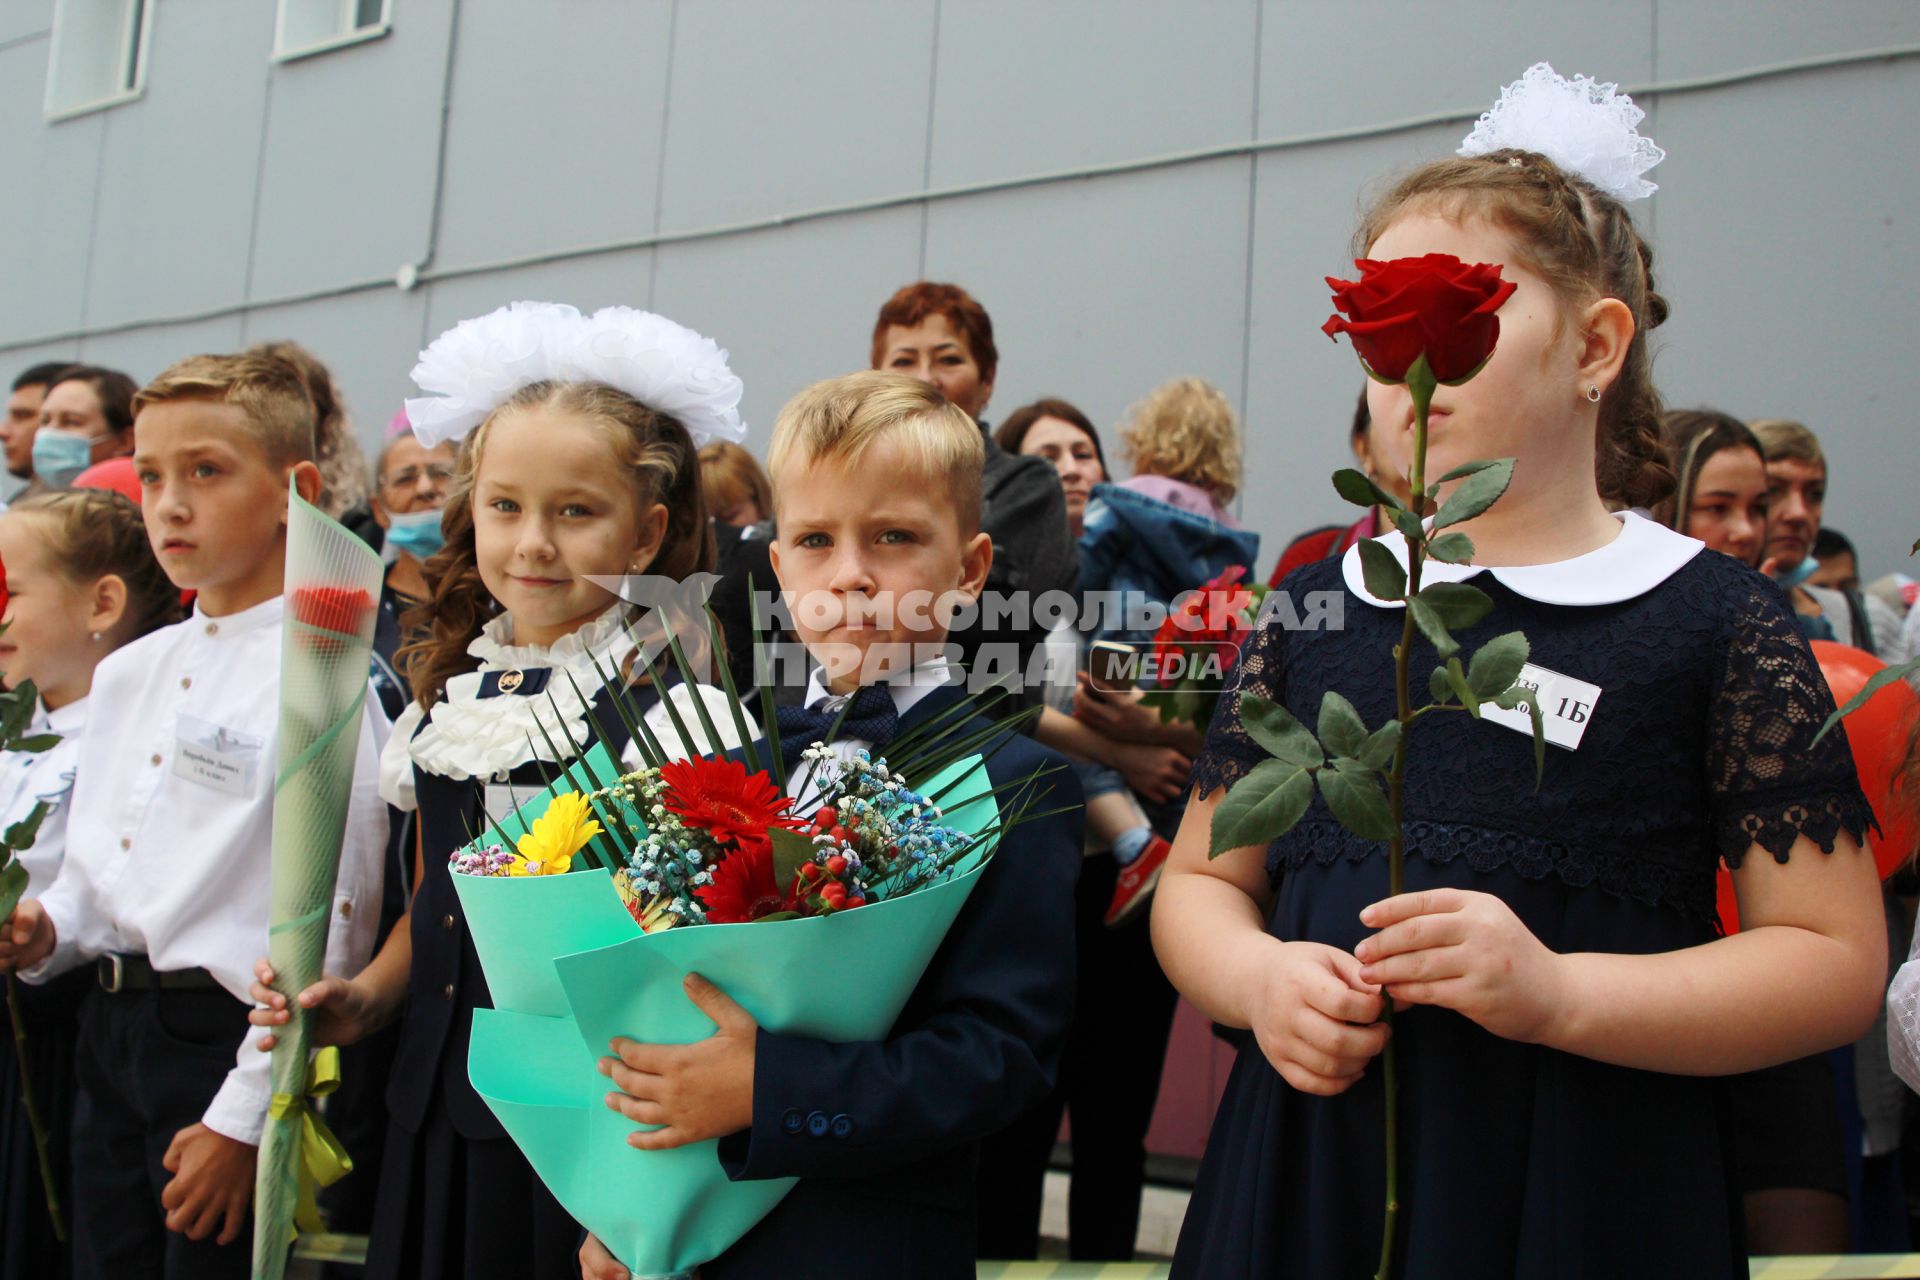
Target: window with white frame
98, 55
314, 26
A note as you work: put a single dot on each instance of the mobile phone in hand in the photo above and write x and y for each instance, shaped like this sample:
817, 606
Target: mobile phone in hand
1113, 666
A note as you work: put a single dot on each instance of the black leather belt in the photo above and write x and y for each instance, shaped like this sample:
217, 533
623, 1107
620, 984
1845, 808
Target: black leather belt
121, 973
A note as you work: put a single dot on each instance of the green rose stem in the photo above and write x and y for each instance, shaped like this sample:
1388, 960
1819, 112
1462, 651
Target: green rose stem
1420, 385
34, 1122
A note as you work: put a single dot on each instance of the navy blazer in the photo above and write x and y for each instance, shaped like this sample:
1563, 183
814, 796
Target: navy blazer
884, 1134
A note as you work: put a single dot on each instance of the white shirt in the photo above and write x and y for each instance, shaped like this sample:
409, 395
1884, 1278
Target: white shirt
31, 777
179, 869
908, 689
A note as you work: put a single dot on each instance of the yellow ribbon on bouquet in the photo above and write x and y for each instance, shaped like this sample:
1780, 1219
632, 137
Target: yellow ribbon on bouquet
323, 1159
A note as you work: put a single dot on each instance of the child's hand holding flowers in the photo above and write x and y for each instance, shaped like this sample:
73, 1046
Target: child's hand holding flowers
693, 1091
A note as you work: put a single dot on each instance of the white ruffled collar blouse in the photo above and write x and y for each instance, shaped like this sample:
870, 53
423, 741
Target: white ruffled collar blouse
465, 736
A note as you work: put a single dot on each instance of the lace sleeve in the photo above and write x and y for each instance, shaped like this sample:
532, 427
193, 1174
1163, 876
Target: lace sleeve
1771, 783
1230, 753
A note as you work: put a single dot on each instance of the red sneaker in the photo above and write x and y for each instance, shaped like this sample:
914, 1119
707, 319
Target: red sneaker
1137, 880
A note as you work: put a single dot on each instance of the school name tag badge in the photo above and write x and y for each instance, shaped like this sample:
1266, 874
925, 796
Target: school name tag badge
215, 756
1566, 706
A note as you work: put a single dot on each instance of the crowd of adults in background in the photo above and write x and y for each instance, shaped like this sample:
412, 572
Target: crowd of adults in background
1828, 1154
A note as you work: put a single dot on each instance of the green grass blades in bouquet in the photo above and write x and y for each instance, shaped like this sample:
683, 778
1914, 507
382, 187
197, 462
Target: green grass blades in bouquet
570, 968
332, 602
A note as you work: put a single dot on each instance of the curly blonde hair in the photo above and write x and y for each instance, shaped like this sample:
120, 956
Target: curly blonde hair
1186, 430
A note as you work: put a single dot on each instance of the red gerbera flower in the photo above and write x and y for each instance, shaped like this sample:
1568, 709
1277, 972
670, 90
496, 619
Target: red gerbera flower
721, 798
743, 887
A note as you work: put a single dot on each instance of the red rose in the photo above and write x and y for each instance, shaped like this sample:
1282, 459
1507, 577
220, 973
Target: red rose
338, 609
1438, 305
3, 587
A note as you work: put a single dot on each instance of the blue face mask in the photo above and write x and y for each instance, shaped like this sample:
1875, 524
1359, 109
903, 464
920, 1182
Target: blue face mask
1798, 574
417, 533
60, 455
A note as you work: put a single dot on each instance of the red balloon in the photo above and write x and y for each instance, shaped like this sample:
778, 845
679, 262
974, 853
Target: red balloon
1879, 734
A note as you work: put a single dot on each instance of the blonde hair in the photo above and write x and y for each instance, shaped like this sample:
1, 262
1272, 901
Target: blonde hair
266, 388
659, 459
91, 533
1787, 441
1187, 431
840, 419
730, 476
344, 474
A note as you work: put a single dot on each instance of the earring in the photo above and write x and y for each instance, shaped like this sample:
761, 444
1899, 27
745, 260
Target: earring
1593, 394
96, 637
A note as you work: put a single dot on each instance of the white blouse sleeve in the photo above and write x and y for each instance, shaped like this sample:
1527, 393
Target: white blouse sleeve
1903, 1018
396, 760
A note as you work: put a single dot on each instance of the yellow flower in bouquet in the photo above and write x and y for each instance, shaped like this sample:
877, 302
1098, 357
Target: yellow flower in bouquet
559, 833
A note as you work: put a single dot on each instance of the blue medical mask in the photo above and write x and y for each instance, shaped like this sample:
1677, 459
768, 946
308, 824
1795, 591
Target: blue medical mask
417, 533
1793, 577
59, 455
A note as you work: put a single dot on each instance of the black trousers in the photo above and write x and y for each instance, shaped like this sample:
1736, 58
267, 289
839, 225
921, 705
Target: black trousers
1109, 1080
148, 1063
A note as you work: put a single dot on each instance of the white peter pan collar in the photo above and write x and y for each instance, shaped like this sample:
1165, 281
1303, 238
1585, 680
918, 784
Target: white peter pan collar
1640, 558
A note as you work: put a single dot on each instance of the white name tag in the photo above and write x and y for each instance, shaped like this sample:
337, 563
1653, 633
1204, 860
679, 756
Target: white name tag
1566, 706
215, 756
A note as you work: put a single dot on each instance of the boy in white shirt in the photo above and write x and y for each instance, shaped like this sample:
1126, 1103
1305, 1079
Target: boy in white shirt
165, 883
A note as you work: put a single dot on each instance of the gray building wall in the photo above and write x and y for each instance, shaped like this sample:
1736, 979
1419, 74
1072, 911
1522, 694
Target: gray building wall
697, 157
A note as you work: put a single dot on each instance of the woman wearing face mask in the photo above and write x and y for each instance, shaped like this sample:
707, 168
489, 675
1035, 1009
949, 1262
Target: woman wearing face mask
86, 417
410, 486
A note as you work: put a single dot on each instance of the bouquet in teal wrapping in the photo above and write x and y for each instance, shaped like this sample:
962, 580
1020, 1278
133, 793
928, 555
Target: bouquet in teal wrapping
591, 904
332, 586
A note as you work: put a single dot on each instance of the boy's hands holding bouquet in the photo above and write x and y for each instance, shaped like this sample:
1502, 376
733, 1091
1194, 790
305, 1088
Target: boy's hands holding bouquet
693, 1091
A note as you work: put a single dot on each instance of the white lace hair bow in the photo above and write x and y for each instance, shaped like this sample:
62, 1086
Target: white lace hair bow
474, 367
1584, 127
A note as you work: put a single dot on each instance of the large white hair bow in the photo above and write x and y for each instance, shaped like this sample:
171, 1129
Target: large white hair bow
474, 367
1584, 127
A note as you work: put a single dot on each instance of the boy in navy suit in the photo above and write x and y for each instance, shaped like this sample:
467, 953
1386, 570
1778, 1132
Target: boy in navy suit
877, 489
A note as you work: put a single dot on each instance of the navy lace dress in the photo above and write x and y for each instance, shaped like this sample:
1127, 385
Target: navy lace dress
1520, 1161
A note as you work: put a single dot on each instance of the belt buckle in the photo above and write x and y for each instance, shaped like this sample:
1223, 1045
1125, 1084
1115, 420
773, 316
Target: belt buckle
112, 973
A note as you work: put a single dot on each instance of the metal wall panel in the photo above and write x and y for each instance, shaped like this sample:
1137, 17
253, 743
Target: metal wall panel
778, 107
51, 173
346, 175
553, 136
1102, 290
1029, 88
172, 220
791, 306
1327, 64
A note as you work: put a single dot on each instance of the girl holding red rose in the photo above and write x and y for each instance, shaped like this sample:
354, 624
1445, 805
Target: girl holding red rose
1567, 1000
